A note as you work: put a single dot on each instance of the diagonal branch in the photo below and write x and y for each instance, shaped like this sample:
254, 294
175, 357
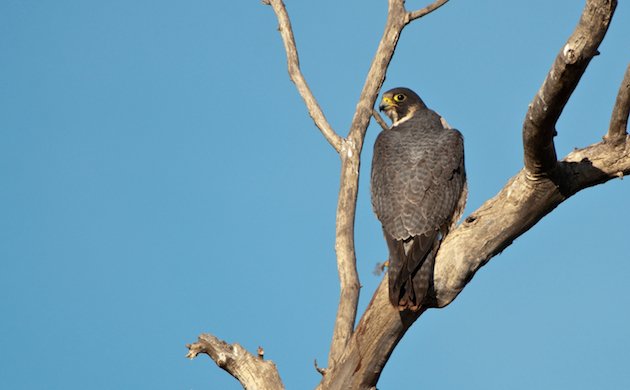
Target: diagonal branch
619, 119
493, 227
484, 234
565, 73
296, 76
379, 119
253, 372
426, 10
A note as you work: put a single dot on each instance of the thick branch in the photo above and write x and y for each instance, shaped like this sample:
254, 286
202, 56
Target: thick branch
493, 227
253, 372
484, 234
518, 206
619, 119
567, 69
296, 76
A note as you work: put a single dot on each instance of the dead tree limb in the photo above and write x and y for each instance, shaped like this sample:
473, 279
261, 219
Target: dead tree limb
357, 356
349, 152
379, 119
293, 63
493, 227
252, 371
426, 10
397, 19
619, 118
484, 234
566, 71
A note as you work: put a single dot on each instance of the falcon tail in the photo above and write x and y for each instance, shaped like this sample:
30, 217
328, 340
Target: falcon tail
410, 270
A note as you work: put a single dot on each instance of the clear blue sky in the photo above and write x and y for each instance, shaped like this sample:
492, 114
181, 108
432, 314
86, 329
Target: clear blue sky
161, 178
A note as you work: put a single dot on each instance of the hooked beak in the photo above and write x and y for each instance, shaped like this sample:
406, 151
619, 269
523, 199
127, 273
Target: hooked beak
386, 104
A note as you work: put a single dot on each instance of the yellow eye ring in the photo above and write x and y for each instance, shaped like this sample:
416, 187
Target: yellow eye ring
399, 98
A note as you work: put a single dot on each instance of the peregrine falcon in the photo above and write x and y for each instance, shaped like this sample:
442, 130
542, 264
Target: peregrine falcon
418, 192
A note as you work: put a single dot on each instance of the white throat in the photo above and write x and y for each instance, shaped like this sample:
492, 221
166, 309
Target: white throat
405, 118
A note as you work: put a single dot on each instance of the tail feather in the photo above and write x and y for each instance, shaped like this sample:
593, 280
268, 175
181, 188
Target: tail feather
410, 270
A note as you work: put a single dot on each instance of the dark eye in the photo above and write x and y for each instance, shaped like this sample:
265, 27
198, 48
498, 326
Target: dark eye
400, 97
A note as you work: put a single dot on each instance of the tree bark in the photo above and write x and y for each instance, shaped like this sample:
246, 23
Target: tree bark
565, 74
252, 371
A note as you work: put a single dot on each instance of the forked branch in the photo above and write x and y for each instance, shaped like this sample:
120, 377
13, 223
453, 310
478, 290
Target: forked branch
357, 356
493, 227
566, 71
349, 151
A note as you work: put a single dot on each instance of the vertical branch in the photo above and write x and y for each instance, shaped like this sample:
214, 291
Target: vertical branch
349, 150
565, 74
397, 19
349, 186
619, 119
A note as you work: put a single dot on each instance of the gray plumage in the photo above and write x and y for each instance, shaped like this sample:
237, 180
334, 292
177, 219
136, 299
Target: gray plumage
418, 192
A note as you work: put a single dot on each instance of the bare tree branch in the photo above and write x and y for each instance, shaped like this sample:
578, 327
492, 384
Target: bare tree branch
518, 206
484, 234
253, 372
426, 10
397, 19
619, 119
379, 119
296, 76
565, 73
493, 227
357, 356
349, 185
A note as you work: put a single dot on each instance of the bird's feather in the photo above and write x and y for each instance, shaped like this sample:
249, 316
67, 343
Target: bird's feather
418, 192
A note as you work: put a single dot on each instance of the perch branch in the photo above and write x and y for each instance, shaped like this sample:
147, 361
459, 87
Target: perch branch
484, 234
253, 372
565, 73
493, 227
619, 119
293, 62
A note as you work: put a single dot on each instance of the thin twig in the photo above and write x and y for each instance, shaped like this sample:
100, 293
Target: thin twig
296, 76
322, 371
413, 15
379, 119
619, 119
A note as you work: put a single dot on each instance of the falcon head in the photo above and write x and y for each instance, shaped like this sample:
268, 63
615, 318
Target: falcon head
399, 104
